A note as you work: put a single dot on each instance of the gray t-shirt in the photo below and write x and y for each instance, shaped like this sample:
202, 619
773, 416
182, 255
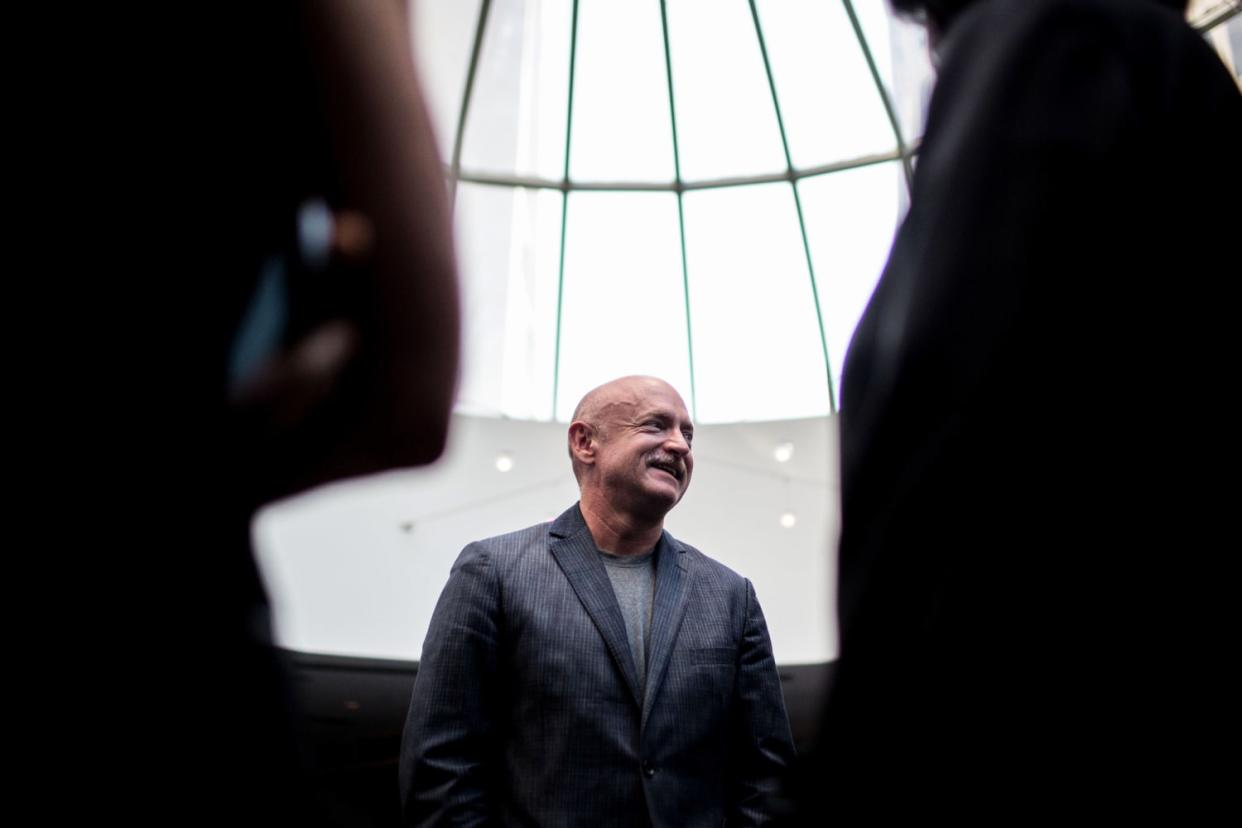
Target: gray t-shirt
633, 580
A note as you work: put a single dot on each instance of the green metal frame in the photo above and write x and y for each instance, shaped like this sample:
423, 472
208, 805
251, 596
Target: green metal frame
1211, 19
534, 182
905, 151
793, 185
565, 189
467, 93
679, 188
893, 121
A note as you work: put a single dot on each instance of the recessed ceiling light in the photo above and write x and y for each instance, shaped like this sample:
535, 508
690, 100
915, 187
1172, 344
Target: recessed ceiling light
504, 462
783, 453
789, 520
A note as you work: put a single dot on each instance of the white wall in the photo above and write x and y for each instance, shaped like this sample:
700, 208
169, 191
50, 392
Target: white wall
355, 568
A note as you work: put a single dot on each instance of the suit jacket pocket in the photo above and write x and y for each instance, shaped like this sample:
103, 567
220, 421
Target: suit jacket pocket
710, 680
713, 656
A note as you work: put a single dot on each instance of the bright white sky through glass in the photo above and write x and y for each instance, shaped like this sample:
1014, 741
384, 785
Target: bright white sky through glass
757, 349
850, 228
442, 33
621, 121
517, 116
756, 339
899, 48
809, 40
624, 308
725, 120
508, 241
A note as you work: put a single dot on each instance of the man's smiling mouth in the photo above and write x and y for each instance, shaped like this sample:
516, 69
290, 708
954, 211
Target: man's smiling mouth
669, 468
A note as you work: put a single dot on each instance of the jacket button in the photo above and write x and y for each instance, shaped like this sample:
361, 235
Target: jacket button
648, 769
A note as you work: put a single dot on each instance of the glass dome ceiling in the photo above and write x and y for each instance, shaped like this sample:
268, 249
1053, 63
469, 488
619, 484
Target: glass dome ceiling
704, 190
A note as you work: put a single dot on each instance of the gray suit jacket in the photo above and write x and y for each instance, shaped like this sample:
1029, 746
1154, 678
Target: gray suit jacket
527, 711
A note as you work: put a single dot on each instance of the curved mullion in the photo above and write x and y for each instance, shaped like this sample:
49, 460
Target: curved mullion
793, 184
564, 187
678, 187
532, 182
879, 85
466, 94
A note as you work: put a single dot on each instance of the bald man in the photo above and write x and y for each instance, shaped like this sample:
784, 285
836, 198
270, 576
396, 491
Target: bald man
595, 670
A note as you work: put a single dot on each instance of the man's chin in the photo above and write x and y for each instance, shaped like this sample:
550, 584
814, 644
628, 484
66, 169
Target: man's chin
653, 502
665, 495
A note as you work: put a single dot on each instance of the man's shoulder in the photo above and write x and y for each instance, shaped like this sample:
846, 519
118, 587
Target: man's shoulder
705, 566
515, 542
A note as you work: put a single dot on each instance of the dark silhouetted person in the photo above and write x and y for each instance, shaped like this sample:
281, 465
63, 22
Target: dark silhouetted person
1038, 441
322, 268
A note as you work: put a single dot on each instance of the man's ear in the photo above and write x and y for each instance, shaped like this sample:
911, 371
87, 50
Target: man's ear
582, 441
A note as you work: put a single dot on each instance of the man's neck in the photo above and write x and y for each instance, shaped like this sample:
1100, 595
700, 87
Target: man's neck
619, 533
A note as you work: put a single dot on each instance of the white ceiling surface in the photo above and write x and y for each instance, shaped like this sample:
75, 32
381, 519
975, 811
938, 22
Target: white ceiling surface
356, 568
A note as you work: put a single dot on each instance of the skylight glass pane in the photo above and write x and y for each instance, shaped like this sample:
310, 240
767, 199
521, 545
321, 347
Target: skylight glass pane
509, 246
726, 125
516, 123
621, 128
850, 219
624, 304
443, 34
829, 101
899, 48
1234, 27
1227, 40
757, 351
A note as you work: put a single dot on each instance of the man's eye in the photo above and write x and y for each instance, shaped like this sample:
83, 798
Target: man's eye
689, 437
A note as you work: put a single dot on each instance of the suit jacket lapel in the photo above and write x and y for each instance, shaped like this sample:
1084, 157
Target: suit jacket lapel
671, 591
574, 550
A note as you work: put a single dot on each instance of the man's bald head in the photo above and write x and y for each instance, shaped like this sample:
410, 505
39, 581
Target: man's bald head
600, 405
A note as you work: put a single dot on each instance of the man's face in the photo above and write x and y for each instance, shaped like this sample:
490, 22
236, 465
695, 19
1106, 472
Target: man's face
643, 459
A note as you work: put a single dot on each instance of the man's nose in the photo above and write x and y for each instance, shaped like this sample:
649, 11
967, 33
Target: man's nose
676, 442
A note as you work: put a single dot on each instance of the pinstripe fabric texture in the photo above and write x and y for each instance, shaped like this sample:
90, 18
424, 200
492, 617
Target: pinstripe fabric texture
526, 709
